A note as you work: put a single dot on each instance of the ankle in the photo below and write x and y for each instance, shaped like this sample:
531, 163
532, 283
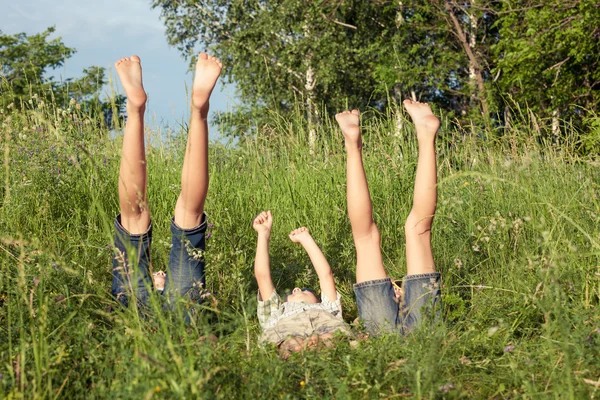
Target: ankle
200, 111
353, 146
199, 114
133, 110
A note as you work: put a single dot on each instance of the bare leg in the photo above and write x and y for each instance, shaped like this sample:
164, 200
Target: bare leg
419, 257
194, 175
135, 214
369, 263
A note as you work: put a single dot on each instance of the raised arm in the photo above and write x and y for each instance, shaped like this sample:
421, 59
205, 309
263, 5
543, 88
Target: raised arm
319, 262
262, 268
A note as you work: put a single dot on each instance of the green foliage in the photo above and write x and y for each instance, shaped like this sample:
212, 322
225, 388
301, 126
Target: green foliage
475, 59
25, 62
516, 238
549, 56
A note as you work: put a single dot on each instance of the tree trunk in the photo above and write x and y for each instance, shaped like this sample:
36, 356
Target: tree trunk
507, 120
398, 119
309, 85
473, 60
555, 126
472, 43
399, 17
311, 109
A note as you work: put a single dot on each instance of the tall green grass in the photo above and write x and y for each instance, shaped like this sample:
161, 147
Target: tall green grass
516, 238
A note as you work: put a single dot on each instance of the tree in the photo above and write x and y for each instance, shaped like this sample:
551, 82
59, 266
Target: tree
25, 62
548, 57
279, 52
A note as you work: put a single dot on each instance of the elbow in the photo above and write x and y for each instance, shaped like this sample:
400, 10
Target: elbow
325, 274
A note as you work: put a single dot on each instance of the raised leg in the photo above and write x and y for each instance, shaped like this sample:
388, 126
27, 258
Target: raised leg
186, 261
135, 214
194, 175
131, 264
419, 256
369, 262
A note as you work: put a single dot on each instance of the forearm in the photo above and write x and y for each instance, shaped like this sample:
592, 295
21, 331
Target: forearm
317, 258
262, 267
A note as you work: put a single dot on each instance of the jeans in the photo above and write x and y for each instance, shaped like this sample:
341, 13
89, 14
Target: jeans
131, 264
383, 313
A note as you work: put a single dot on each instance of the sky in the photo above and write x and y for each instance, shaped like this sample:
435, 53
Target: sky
104, 31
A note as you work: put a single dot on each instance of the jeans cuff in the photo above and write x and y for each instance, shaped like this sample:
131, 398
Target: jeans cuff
121, 229
200, 228
373, 282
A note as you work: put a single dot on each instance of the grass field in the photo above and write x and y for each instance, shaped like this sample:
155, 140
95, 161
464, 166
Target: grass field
516, 237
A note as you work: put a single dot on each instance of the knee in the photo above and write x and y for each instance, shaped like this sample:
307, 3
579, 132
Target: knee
418, 226
369, 238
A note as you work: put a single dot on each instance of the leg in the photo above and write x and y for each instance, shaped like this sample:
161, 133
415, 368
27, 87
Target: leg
419, 257
374, 291
135, 215
134, 234
422, 283
194, 175
369, 263
189, 223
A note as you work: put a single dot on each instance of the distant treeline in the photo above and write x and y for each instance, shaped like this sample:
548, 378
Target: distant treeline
479, 60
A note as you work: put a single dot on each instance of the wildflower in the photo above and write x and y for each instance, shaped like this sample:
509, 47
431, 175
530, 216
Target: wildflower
509, 348
492, 331
302, 383
475, 248
458, 263
464, 360
446, 388
208, 235
72, 102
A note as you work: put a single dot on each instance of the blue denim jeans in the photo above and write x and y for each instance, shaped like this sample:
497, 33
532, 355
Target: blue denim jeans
383, 313
131, 264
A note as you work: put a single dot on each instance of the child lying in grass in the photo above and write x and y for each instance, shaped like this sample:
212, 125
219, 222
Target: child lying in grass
299, 319
131, 264
376, 299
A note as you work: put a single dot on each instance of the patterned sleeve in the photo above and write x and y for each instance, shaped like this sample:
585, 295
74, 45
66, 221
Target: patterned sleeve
268, 308
334, 307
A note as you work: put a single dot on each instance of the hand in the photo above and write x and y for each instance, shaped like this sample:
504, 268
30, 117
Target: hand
299, 235
263, 222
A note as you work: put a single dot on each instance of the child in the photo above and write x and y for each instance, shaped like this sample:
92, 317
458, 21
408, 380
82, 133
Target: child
299, 320
131, 265
376, 300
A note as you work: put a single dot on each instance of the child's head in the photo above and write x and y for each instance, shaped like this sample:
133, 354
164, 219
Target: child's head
302, 295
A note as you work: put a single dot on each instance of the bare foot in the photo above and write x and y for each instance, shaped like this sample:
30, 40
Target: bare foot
159, 278
348, 122
208, 70
129, 70
425, 122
